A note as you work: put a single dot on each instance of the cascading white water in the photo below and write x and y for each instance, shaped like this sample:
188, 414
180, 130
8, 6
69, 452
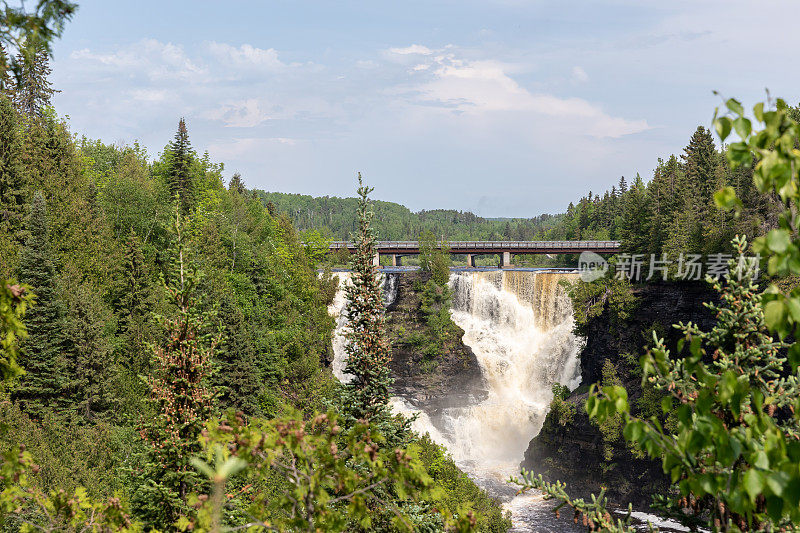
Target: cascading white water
519, 325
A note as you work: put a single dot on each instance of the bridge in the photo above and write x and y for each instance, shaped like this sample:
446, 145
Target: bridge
397, 249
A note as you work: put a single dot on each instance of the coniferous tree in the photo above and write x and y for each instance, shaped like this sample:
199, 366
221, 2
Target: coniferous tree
7, 84
181, 183
368, 351
636, 219
237, 184
46, 382
90, 394
622, 186
700, 162
12, 186
181, 397
34, 91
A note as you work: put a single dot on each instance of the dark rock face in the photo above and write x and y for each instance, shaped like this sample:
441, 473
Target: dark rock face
659, 305
576, 453
453, 379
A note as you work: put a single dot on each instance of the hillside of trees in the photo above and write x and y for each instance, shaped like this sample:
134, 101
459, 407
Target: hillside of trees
336, 218
157, 325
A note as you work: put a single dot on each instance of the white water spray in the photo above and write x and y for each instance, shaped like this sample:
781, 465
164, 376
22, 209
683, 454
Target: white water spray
519, 325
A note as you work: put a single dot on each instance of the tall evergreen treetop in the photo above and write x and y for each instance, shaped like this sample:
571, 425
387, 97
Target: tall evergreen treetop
368, 350
34, 91
181, 184
700, 158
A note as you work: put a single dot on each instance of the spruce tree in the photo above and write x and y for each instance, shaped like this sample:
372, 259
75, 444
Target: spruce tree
368, 351
180, 396
181, 183
237, 184
46, 382
700, 162
12, 185
34, 91
636, 219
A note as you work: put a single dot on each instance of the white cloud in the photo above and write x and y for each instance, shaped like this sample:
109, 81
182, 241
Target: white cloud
243, 114
579, 75
245, 55
414, 49
149, 57
249, 146
484, 86
149, 95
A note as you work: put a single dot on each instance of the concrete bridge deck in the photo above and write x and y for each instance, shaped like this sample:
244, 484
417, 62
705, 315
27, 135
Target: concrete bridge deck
397, 249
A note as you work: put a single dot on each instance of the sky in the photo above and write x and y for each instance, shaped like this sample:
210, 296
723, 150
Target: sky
499, 107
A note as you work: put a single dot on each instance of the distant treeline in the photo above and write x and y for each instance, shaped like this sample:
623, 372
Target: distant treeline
673, 212
336, 218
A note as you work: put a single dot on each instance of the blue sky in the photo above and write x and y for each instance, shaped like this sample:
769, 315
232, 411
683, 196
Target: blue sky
500, 107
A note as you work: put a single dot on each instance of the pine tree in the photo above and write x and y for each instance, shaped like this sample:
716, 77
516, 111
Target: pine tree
636, 219
181, 398
368, 351
46, 382
237, 184
12, 184
181, 182
34, 91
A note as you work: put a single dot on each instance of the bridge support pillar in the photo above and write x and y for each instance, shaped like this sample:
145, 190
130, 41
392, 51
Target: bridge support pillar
397, 260
470, 261
505, 261
377, 259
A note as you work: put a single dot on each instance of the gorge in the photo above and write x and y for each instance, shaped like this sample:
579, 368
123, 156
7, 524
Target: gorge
518, 330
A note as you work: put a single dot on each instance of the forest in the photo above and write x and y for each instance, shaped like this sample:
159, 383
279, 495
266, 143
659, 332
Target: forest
165, 341
158, 327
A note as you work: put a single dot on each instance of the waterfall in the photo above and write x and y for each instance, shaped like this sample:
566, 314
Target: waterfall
519, 326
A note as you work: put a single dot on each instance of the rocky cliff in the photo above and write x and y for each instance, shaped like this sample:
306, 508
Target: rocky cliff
572, 448
450, 378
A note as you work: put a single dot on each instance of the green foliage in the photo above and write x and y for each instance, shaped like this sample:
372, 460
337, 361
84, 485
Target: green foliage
20, 28
48, 371
440, 329
563, 412
180, 394
434, 258
732, 452
396, 222
336, 479
590, 299
14, 302
12, 186
457, 489
611, 426
179, 172
368, 350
